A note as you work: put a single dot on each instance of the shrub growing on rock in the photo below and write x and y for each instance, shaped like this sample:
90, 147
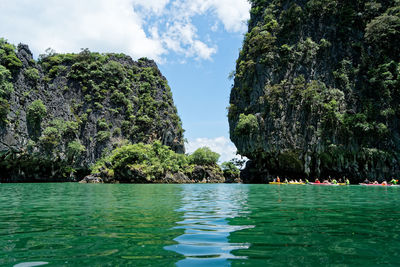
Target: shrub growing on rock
230, 168
141, 162
204, 156
36, 111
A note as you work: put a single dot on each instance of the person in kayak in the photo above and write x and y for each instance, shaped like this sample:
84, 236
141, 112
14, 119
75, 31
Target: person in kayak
286, 181
384, 182
317, 181
334, 181
278, 179
307, 182
366, 181
393, 181
347, 181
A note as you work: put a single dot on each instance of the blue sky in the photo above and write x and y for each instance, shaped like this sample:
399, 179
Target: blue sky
194, 42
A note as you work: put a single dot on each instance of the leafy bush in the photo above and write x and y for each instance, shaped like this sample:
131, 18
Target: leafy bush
67, 129
8, 58
103, 136
50, 138
102, 125
32, 74
113, 70
230, 169
247, 124
384, 33
204, 156
75, 149
6, 88
71, 128
117, 132
148, 161
36, 111
126, 127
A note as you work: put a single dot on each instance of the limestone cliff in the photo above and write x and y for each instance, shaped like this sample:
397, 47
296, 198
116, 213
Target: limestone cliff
317, 89
61, 113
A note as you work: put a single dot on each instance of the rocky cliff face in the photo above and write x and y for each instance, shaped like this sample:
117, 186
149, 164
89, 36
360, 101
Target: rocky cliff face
60, 114
317, 89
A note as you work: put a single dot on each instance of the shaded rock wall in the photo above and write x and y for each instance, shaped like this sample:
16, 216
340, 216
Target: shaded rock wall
316, 90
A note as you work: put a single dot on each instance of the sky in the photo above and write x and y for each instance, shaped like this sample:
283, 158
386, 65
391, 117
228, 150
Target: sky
195, 43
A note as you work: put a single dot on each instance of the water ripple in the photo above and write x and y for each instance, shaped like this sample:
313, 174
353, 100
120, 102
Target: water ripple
205, 240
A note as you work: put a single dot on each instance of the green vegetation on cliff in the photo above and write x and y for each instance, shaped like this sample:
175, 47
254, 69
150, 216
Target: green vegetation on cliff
149, 163
63, 112
316, 89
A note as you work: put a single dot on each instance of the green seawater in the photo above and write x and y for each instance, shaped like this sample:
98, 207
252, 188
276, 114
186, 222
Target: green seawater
198, 225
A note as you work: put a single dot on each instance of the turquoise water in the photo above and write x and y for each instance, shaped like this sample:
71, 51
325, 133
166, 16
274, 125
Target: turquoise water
198, 225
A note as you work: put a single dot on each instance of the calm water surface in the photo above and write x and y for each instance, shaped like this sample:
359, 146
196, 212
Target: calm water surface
198, 225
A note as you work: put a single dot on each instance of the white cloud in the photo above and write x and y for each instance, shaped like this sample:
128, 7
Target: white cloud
233, 14
202, 50
68, 26
151, 28
152, 6
221, 145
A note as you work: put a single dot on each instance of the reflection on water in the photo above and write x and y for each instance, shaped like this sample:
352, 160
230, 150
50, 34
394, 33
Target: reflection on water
207, 209
30, 264
315, 226
189, 225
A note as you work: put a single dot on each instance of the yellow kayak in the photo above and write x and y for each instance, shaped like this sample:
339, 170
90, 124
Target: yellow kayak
285, 183
298, 183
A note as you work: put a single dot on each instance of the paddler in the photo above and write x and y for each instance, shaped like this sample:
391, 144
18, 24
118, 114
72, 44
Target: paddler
307, 182
393, 181
366, 181
334, 181
347, 181
317, 181
278, 179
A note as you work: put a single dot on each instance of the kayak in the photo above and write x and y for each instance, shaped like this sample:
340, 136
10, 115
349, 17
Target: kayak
375, 184
326, 184
285, 183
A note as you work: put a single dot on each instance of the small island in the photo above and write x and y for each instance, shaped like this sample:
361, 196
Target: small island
100, 116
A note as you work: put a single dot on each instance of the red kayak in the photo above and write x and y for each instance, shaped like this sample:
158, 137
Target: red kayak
375, 184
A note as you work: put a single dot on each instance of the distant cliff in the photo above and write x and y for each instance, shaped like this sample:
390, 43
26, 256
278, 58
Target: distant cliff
60, 114
317, 90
